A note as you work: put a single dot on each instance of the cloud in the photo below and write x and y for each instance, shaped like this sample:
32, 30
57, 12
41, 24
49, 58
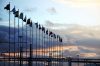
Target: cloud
89, 55
52, 10
79, 3
31, 9
52, 25
87, 39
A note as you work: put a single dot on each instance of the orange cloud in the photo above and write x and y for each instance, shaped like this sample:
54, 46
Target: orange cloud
54, 50
88, 55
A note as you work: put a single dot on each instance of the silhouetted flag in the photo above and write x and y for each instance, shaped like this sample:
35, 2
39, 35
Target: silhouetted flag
13, 10
21, 16
28, 21
17, 14
24, 19
31, 24
7, 7
43, 29
60, 39
47, 32
55, 36
39, 26
50, 33
36, 25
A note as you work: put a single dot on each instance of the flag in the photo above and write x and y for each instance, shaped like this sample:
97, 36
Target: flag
28, 21
13, 10
24, 19
21, 16
7, 7
39, 26
55, 36
47, 32
50, 33
31, 24
36, 25
61, 40
17, 14
43, 29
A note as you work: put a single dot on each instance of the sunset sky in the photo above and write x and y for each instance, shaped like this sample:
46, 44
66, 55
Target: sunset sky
77, 21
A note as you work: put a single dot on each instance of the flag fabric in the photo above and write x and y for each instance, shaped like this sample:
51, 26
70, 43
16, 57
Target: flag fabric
28, 21
47, 32
36, 25
21, 16
55, 36
50, 33
39, 26
7, 7
13, 10
17, 14
43, 29
24, 19
60, 39
31, 24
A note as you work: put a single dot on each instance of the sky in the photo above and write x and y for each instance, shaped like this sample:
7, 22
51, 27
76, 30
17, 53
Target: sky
82, 12
77, 21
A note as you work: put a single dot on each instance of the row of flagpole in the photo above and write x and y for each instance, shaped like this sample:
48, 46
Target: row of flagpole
46, 34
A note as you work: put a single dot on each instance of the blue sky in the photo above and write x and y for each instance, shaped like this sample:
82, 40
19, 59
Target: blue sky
82, 12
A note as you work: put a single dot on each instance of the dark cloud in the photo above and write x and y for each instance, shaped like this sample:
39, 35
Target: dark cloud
31, 9
52, 10
4, 38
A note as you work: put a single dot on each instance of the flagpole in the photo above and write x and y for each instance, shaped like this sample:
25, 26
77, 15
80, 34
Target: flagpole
42, 45
26, 40
39, 41
57, 46
18, 36
36, 42
22, 40
30, 62
9, 36
14, 40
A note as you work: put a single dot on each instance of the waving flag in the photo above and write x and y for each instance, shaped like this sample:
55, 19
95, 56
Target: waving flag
47, 32
17, 14
55, 36
50, 33
24, 19
28, 21
13, 10
7, 7
31, 24
43, 29
36, 25
21, 16
39, 26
